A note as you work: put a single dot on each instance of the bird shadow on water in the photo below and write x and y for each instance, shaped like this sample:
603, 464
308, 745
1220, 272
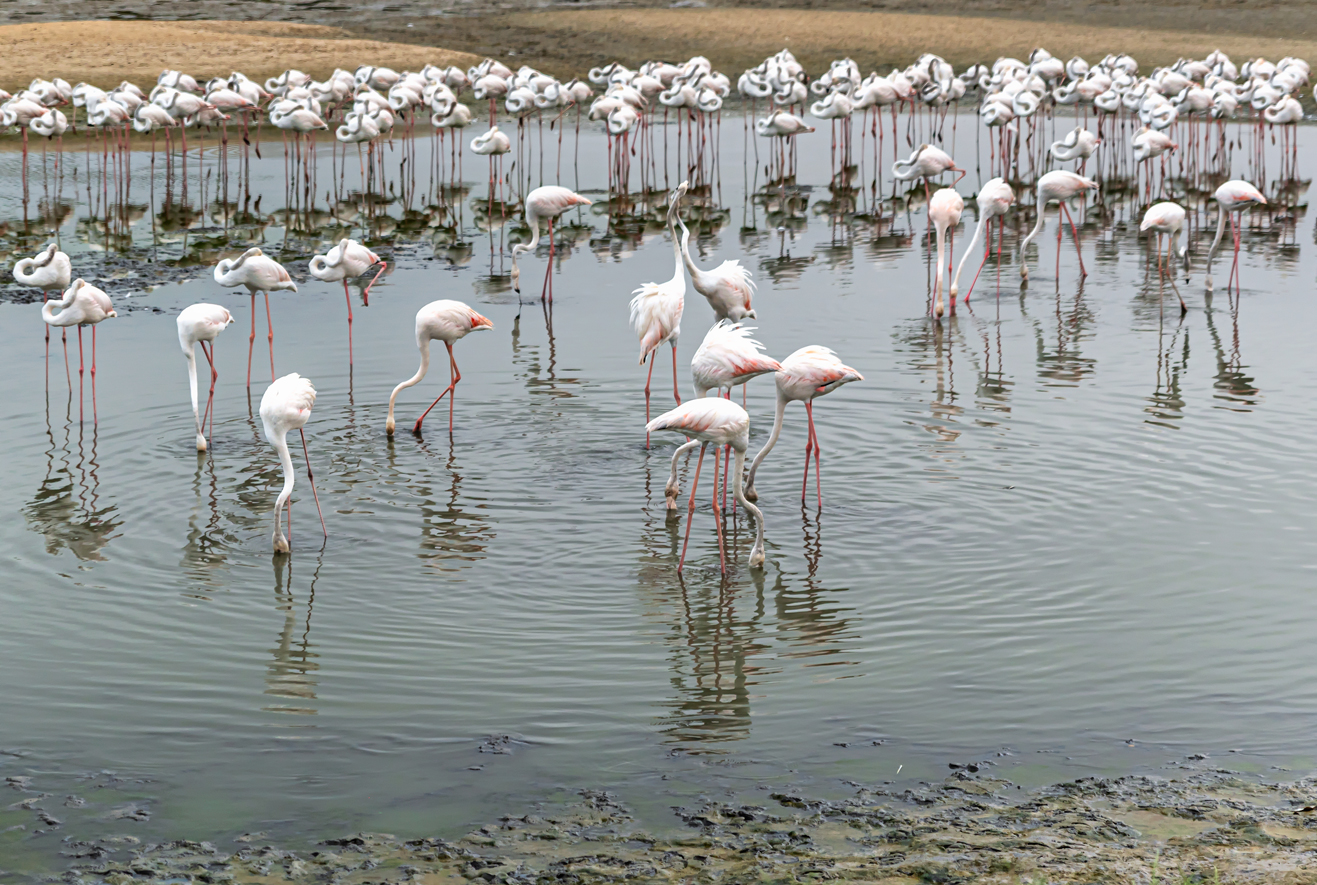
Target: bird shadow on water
67, 508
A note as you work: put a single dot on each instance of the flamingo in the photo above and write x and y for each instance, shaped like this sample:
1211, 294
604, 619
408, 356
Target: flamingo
1078, 144
727, 287
723, 423
810, 372
48, 270
1231, 197
728, 356
445, 321
656, 313
926, 162
82, 305
286, 406
995, 200
202, 323
1057, 186
349, 259
1168, 218
944, 210
257, 272
543, 203
491, 143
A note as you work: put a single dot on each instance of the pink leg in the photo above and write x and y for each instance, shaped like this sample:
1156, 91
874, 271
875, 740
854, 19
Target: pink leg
251, 342
690, 508
548, 271
809, 450
717, 515
365, 296
675, 393
1075, 235
210, 400
79, 369
348, 296
311, 478
455, 376
94, 419
814, 438
270, 320
648, 378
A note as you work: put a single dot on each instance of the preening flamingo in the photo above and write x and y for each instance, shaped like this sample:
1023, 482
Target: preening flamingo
656, 312
727, 287
810, 372
445, 321
944, 211
348, 260
1168, 218
81, 305
543, 204
1057, 186
995, 199
1231, 197
256, 272
49, 270
723, 423
926, 162
201, 324
286, 406
1078, 144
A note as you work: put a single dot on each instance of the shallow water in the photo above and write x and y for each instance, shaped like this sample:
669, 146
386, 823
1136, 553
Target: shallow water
1065, 530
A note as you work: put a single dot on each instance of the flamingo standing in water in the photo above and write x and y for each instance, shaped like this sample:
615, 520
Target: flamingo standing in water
723, 423
201, 324
445, 321
49, 270
926, 162
944, 210
348, 260
995, 200
810, 372
1057, 186
257, 272
286, 406
656, 313
1232, 197
82, 305
1168, 218
543, 204
1078, 144
727, 287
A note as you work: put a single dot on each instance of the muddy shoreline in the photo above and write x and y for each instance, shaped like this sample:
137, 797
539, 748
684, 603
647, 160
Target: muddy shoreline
1197, 824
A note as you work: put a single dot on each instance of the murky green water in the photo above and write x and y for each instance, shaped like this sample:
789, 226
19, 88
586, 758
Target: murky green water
1065, 526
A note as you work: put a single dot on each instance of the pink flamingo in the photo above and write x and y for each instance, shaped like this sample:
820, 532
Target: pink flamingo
810, 372
543, 203
202, 323
445, 321
1167, 218
995, 200
286, 406
1057, 186
82, 305
944, 210
348, 260
656, 313
1231, 197
257, 272
722, 423
49, 270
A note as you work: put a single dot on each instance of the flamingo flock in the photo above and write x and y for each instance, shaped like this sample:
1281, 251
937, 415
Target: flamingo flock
1188, 101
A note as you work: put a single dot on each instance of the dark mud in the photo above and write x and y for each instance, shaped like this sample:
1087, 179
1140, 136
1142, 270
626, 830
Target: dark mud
1199, 826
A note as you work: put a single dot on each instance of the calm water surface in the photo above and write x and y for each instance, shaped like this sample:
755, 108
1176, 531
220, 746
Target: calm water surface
1065, 530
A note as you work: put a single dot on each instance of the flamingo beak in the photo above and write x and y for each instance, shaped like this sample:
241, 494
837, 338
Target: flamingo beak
479, 322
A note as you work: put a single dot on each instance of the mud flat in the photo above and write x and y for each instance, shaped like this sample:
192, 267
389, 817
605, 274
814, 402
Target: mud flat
1202, 826
106, 52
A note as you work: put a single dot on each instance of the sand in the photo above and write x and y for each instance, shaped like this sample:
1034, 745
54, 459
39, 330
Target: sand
104, 53
568, 42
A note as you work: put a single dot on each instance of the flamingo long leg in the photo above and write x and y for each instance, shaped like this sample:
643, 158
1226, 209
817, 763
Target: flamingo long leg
311, 478
454, 377
690, 507
818, 467
365, 296
675, 393
717, 515
648, 378
1075, 236
348, 295
270, 321
251, 342
210, 399
94, 419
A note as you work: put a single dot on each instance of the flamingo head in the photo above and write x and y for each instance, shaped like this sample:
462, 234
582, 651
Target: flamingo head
479, 322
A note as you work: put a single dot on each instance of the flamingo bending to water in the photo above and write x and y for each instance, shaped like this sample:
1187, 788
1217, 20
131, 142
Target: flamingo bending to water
201, 324
1168, 218
445, 321
995, 199
1232, 197
944, 210
286, 406
543, 204
1057, 186
722, 423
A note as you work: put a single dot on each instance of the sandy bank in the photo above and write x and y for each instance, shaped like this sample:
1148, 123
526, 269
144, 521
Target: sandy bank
105, 53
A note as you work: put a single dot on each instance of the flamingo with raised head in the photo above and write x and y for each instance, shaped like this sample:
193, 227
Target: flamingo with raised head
286, 406
995, 199
723, 423
1232, 197
201, 324
806, 374
348, 260
257, 272
944, 210
543, 204
1057, 186
656, 313
728, 287
445, 321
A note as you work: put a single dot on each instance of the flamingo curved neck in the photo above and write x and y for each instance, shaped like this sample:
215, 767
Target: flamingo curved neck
191, 354
695, 272
969, 250
756, 552
280, 442
772, 440
424, 346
